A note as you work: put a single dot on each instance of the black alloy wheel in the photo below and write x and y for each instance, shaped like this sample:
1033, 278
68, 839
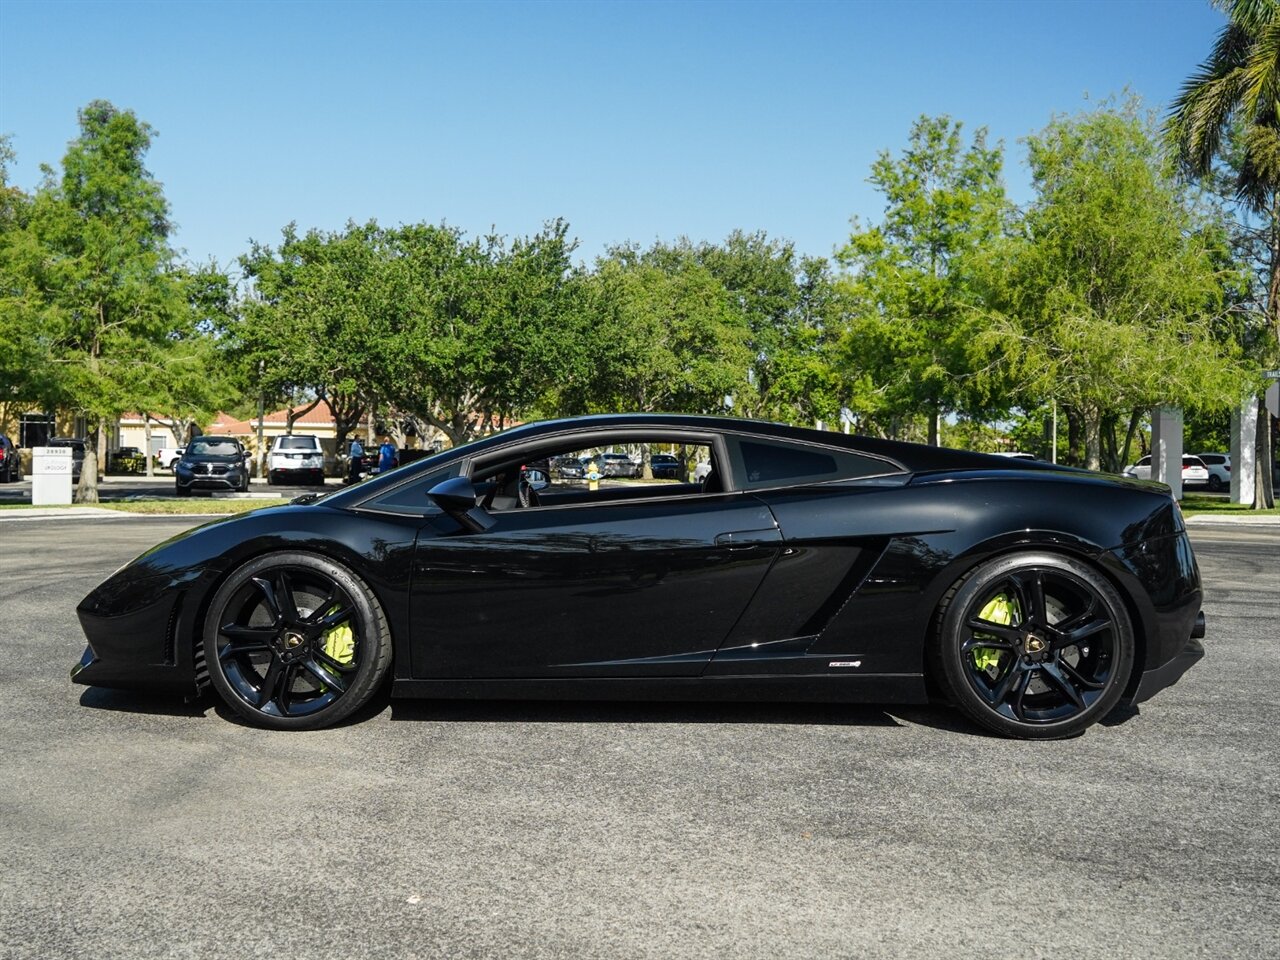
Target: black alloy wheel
295, 641
1036, 646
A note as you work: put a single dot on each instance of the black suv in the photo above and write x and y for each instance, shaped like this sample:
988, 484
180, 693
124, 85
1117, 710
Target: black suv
10, 463
212, 463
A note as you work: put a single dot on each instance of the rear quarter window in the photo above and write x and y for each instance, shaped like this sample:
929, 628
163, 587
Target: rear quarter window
768, 463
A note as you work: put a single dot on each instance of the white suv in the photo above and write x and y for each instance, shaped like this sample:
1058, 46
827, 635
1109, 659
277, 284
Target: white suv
296, 459
1219, 467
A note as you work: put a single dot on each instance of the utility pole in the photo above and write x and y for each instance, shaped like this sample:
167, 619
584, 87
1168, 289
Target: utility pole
262, 412
1053, 448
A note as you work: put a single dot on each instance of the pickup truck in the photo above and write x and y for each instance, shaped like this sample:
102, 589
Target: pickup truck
168, 456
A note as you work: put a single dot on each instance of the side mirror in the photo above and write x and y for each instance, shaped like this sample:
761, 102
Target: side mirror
457, 497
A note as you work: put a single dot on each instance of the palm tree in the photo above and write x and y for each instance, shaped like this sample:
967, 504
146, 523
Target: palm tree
1235, 94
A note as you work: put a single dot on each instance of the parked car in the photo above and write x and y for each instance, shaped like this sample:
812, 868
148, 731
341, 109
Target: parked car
296, 459
212, 463
617, 465
665, 466
1194, 472
1219, 467
166, 457
77, 453
1034, 598
567, 468
10, 461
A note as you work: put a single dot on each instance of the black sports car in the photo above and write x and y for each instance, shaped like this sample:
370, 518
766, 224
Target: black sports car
806, 566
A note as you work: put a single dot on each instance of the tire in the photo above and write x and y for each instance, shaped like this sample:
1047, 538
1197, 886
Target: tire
180, 491
1215, 483
1034, 646
278, 659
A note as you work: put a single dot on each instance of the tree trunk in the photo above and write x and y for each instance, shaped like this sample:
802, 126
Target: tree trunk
1108, 444
146, 444
87, 488
292, 415
1263, 487
935, 419
1135, 418
1093, 440
1074, 433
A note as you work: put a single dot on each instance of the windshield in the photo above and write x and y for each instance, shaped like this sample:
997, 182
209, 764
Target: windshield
296, 443
214, 446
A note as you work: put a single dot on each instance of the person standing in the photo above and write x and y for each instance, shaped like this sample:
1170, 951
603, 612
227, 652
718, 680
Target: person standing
386, 455
357, 460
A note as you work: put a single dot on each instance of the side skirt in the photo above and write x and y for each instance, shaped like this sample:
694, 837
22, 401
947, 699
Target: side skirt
883, 688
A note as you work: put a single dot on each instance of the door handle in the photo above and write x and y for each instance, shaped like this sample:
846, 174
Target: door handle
746, 539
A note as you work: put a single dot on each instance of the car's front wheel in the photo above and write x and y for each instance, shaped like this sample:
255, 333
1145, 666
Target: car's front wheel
1034, 645
296, 641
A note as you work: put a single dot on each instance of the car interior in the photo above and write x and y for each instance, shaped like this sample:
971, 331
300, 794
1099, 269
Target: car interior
533, 479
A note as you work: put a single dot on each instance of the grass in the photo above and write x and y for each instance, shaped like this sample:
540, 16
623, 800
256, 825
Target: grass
1193, 504
160, 506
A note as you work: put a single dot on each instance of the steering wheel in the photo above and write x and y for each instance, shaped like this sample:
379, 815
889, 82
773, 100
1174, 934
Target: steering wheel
526, 494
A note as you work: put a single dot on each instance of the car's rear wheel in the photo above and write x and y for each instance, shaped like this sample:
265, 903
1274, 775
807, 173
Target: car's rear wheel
296, 641
1215, 482
1034, 645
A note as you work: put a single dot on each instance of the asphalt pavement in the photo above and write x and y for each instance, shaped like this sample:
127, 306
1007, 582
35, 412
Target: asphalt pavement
146, 828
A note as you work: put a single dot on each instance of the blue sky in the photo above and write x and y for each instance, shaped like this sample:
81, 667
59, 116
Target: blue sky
634, 121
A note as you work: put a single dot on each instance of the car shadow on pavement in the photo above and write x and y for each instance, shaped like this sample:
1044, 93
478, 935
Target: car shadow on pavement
606, 711
154, 704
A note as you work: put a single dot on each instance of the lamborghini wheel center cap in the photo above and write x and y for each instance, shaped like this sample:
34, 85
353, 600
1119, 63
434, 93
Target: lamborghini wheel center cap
1033, 644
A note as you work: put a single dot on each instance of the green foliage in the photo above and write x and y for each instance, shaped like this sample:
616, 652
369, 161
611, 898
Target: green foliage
87, 266
459, 334
662, 335
488, 329
1108, 299
909, 280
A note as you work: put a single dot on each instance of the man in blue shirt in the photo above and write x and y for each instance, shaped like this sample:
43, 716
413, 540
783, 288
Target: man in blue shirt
357, 461
386, 455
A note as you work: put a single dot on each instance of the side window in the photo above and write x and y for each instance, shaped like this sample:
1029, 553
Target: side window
771, 463
411, 499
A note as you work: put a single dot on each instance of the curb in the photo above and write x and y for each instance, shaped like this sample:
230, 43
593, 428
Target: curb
94, 513
1246, 521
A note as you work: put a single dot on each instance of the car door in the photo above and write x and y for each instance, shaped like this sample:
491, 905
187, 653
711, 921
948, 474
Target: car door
647, 587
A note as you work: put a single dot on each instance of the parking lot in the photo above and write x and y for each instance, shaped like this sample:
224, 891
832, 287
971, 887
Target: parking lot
137, 827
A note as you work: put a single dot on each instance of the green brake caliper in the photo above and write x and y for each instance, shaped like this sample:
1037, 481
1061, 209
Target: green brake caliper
339, 643
1002, 610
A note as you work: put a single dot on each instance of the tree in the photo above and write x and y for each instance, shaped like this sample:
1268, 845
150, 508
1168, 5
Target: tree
909, 279
1236, 90
662, 339
191, 375
788, 305
1108, 299
487, 330
23, 311
101, 279
317, 320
